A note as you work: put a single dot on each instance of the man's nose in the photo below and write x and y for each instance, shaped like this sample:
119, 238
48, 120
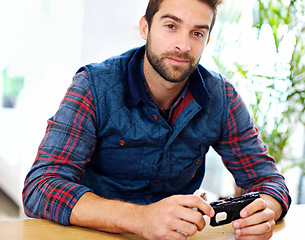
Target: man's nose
183, 42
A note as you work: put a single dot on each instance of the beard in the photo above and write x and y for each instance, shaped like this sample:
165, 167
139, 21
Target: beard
173, 73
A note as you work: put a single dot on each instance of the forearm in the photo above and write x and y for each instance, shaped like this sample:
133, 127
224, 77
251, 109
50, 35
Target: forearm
102, 214
159, 220
274, 205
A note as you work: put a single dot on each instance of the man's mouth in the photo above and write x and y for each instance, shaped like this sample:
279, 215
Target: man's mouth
178, 61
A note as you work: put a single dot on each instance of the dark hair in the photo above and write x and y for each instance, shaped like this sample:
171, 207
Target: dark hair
154, 5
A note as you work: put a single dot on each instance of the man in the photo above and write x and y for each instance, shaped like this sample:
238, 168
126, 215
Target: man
126, 149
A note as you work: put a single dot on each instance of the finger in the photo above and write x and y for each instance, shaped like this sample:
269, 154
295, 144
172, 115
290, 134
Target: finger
193, 201
257, 205
258, 229
200, 193
177, 235
244, 234
257, 218
186, 228
190, 223
193, 216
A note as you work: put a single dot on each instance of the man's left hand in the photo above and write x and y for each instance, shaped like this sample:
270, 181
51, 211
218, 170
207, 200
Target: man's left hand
257, 221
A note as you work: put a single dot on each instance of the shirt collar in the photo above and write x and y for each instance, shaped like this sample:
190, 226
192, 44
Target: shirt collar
135, 91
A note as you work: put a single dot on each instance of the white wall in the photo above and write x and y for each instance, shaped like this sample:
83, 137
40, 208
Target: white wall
47, 41
110, 28
42, 41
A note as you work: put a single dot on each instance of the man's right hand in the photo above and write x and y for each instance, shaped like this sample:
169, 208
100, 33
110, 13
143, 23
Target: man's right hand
173, 216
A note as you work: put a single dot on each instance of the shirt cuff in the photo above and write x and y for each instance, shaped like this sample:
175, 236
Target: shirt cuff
66, 209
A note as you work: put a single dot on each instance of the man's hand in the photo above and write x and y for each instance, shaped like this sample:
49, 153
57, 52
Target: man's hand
258, 219
173, 216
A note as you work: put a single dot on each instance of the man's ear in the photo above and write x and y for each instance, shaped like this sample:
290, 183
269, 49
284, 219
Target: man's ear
143, 28
209, 39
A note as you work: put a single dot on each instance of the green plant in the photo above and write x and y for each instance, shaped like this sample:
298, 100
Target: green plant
11, 88
278, 100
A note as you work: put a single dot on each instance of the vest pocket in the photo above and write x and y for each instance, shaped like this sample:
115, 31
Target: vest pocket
189, 173
119, 157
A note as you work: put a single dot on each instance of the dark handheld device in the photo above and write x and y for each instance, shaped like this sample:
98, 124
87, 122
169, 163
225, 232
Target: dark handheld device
231, 207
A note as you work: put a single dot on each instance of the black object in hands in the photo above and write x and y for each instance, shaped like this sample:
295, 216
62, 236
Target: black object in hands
232, 207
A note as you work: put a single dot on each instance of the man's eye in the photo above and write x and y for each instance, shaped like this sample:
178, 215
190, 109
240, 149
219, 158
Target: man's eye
171, 26
198, 34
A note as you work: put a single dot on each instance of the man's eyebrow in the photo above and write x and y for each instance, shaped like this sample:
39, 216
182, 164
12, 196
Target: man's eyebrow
202, 27
172, 17
179, 20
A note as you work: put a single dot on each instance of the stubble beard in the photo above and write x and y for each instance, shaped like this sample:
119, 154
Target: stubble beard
173, 73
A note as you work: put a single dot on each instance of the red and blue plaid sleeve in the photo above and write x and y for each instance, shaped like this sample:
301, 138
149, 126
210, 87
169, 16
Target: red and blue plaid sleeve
51, 188
246, 156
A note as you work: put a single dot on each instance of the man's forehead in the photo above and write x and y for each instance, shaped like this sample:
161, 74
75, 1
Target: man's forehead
179, 10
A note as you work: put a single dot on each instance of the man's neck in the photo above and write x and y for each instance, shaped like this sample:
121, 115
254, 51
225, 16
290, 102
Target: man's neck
164, 92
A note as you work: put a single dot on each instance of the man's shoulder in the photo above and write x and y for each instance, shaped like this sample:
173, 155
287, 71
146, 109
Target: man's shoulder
207, 73
214, 79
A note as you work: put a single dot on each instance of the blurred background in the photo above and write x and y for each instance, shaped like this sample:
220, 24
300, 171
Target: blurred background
259, 45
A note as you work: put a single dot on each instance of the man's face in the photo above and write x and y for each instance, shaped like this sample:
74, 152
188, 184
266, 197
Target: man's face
179, 32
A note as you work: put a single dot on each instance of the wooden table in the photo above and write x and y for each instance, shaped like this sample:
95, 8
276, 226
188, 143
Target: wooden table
36, 229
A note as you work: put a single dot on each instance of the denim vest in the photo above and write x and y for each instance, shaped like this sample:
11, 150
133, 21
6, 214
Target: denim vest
139, 157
